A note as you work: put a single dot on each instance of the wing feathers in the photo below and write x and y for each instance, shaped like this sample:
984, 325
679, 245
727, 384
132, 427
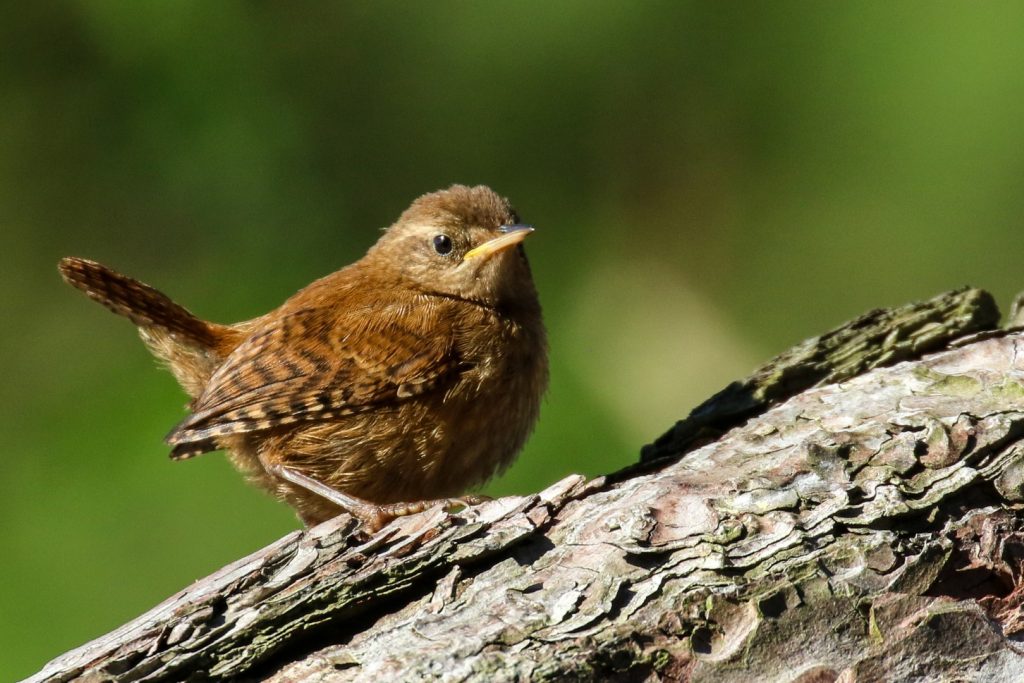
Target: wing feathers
278, 377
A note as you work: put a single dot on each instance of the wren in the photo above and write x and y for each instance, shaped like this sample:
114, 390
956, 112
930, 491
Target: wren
389, 386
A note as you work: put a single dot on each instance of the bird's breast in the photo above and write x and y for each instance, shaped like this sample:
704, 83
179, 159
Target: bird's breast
495, 402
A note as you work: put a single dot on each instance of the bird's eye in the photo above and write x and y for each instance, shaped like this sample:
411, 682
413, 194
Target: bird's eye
442, 244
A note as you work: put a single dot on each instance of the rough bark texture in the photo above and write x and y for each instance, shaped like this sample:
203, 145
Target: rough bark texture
834, 517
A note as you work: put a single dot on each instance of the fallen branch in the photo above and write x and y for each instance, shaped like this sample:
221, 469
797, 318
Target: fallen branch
838, 516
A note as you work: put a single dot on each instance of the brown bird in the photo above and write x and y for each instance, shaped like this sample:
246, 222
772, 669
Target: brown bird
384, 388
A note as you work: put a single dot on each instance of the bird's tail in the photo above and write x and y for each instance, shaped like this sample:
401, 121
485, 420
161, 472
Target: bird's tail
140, 303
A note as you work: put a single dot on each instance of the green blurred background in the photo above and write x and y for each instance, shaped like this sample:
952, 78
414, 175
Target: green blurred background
710, 182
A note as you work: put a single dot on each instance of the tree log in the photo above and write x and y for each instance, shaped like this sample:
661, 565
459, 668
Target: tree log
851, 512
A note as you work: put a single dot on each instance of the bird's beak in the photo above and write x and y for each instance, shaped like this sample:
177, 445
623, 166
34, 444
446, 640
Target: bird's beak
513, 235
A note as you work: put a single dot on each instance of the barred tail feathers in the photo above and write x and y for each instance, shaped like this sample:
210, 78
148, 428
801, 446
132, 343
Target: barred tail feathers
140, 303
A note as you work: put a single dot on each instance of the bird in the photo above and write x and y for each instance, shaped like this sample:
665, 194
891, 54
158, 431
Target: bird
392, 385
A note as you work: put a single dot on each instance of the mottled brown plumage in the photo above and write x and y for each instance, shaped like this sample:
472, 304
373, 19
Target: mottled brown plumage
408, 376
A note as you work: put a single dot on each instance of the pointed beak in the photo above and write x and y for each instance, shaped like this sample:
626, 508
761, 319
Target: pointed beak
512, 235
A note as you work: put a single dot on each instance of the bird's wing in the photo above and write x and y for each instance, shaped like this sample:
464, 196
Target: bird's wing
312, 365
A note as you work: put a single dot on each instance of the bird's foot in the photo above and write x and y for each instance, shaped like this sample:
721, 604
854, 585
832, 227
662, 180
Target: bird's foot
373, 516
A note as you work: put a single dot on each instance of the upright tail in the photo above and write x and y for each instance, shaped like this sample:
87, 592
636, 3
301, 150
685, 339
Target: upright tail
140, 303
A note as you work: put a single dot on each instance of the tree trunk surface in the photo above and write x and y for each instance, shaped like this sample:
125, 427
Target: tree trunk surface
850, 512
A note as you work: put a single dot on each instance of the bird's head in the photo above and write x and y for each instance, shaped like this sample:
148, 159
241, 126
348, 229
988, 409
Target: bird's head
463, 242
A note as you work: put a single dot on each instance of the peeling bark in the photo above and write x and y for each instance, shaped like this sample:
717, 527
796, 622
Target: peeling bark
857, 519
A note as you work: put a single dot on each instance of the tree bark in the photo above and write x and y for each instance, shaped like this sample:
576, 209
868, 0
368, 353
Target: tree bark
850, 512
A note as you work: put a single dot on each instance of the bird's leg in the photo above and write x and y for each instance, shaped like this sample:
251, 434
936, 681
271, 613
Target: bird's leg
373, 516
